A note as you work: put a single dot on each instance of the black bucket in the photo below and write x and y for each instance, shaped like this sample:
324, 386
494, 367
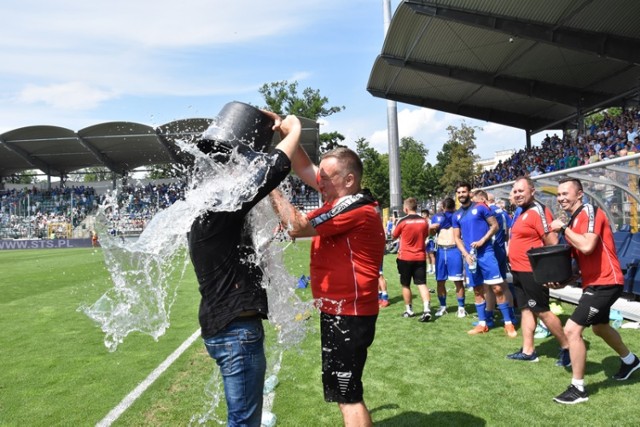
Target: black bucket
238, 124
551, 263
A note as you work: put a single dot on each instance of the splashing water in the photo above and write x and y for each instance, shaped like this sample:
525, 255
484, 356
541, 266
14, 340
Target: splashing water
146, 273
287, 313
213, 392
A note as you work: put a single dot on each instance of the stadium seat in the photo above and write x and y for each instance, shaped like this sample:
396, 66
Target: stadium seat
621, 239
629, 258
631, 253
625, 227
632, 280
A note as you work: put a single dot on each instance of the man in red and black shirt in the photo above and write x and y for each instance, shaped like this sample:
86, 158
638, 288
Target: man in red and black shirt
413, 230
590, 235
346, 253
532, 230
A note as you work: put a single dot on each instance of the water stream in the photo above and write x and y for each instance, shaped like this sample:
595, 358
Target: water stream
145, 273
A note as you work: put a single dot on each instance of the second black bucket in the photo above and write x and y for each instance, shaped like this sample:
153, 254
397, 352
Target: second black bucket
238, 123
551, 263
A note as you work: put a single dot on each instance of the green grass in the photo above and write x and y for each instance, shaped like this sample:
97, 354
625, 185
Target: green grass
57, 371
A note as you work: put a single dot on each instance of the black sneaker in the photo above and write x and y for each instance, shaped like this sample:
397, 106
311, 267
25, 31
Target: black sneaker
519, 355
426, 316
564, 359
408, 314
571, 396
626, 370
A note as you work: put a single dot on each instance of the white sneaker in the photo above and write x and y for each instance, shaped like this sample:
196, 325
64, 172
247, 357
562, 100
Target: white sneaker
462, 312
441, 311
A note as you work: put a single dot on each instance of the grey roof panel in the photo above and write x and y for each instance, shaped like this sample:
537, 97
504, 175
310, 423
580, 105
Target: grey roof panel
549, 58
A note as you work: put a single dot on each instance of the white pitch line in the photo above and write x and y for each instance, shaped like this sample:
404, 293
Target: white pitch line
115, 413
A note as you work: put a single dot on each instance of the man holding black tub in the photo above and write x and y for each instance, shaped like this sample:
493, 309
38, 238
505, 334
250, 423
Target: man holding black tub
532, 230
589, 233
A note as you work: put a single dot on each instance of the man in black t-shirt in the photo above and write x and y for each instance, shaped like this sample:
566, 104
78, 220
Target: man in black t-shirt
233, 301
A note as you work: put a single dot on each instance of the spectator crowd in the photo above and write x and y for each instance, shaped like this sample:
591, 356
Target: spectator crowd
612, 137
28, 212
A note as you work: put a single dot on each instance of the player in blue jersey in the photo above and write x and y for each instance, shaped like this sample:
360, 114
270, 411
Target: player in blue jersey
499, 240
430, 245
473, 225
448, 257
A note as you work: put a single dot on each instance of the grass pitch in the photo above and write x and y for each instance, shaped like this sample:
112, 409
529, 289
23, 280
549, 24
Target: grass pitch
57, 371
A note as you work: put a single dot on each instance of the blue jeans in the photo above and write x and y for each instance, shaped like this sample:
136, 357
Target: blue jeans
238, 349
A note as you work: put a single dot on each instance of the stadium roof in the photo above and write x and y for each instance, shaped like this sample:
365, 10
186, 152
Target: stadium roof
118, 146
533, 65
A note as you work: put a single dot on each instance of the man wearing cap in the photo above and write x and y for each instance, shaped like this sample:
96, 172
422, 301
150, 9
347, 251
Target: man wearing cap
233, 302
589, 233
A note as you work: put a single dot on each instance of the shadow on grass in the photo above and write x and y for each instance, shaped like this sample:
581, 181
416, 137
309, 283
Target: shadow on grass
438, 418
549, 346
610, 366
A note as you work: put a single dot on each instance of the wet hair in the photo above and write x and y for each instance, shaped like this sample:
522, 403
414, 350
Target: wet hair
575, 181
349, 159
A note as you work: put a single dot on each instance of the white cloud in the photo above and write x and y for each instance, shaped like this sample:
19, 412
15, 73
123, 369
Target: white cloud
163, 23
430, 127
75, 54
73, 95
417, 121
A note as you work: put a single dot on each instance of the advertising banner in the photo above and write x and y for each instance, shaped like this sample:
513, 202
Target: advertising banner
45, 244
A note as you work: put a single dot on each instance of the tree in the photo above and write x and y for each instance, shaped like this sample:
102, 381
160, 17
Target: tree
597, 118
283, 98
434, 188
92, 174
457, 157
413, 156
165, 170
25, 177
331, 140
375, 175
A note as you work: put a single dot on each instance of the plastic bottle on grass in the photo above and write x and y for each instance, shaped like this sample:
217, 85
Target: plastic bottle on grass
474, 264
616, 318
270, 384
268, 419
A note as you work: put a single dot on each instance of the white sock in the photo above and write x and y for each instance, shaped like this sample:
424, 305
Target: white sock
426, 307
408, 308
628, 359
579, 384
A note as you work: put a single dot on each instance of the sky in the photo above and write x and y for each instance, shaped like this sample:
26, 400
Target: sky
73, 64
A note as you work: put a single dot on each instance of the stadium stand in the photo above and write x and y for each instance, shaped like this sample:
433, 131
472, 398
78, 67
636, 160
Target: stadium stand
612, 137
42, 214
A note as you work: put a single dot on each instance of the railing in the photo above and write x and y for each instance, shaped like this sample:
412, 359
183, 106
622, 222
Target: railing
612, 185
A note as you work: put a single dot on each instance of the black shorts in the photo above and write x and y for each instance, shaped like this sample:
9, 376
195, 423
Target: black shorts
529, 294
344, 341
595, 304
416, 270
